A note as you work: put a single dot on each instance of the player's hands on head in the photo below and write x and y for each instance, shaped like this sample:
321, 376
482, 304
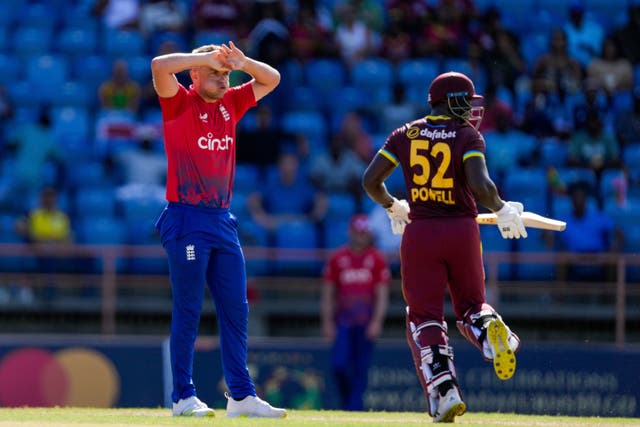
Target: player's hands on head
510, 222
398, 214
234, 57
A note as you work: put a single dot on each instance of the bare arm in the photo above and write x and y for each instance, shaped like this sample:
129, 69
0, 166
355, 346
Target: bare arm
265, 77
379, 311
373, 180
327, 310
483, 188
164, 68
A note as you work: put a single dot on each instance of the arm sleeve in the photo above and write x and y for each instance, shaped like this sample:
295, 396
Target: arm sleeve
174, 106
240, 99
474, 144
389, 148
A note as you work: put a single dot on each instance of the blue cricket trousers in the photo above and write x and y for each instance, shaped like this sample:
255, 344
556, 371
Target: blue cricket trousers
351, 359
203, 247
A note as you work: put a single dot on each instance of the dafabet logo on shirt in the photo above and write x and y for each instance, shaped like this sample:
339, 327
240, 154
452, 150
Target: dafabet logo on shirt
215, 144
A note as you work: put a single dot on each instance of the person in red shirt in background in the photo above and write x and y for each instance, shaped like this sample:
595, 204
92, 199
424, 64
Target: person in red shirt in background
355, 296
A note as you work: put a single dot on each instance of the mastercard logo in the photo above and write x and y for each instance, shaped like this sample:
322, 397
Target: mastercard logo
69, 377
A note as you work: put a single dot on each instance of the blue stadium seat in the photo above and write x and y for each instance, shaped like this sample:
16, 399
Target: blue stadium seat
40, 14
395, 183
4, 42
570, 175
341, 206
554, 153
246, 179
145, 235
77, 41
296, 235
530, 271
521, 182
609, 181
101, 230
31, 41
622, 101
141, 210
418, 72
631, 154
375, 76
533, 45
336, 233
303, 98
92, 202
252, 234
324, 74
140, 69
563, 208
56, 70
239, 206
211, 37
87, 173
74, 94
292, 74
122, 43
312, 124
92, 69
22, 95
492, 241
72, 126
10, 68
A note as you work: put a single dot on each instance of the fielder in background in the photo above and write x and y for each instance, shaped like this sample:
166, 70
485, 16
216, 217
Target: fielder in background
355, 296
442, 160
198, 231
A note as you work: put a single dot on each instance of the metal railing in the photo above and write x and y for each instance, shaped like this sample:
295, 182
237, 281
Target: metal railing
109, 278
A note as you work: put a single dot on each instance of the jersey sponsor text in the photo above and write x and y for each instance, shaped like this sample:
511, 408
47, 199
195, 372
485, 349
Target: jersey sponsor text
214, 144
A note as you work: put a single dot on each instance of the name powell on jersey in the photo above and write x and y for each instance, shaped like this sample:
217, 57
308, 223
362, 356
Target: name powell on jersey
214, 144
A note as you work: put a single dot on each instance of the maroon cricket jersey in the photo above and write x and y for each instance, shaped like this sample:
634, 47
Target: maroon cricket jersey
431, 152
200, 143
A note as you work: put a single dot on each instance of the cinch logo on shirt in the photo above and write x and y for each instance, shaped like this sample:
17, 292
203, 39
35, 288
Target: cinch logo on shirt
214, 144
355, 275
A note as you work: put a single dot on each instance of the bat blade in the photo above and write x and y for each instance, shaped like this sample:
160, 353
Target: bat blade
529, 219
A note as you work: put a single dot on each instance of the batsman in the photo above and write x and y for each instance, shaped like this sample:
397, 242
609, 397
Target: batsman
445, 174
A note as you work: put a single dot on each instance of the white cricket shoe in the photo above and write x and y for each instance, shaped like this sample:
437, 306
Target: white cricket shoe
192, 407
252, 407
449, 406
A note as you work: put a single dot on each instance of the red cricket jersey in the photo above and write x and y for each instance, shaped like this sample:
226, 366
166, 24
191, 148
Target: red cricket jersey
431, 152
200, 143
355, 277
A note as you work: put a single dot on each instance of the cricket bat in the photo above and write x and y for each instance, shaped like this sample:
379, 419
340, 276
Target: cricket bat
529, 219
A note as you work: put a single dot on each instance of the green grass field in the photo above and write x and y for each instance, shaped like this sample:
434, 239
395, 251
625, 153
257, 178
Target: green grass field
84, 417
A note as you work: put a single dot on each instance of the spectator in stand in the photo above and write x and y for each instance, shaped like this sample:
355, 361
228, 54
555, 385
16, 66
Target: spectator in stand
499, 51
269, 39
286, 196
398, 111
118, 14
396, 42
592, 148
355, 41
338, 170
309, 38
355, 297
627, 123
46, 224
494, 108
445, 28
629, 34
544, 114
225, 16
596, 101
120, 92
6, 113
264, 142
557, 70
158, 16
611, 72
588, 231
584, 36
31, 145
370, 12
144, 165
355, 136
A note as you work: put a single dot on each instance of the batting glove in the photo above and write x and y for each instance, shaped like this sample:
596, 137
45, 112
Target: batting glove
398, 214
509, 221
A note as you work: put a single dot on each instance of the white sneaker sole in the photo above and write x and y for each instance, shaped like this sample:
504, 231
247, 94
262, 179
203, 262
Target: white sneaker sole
504, 359
256, 416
